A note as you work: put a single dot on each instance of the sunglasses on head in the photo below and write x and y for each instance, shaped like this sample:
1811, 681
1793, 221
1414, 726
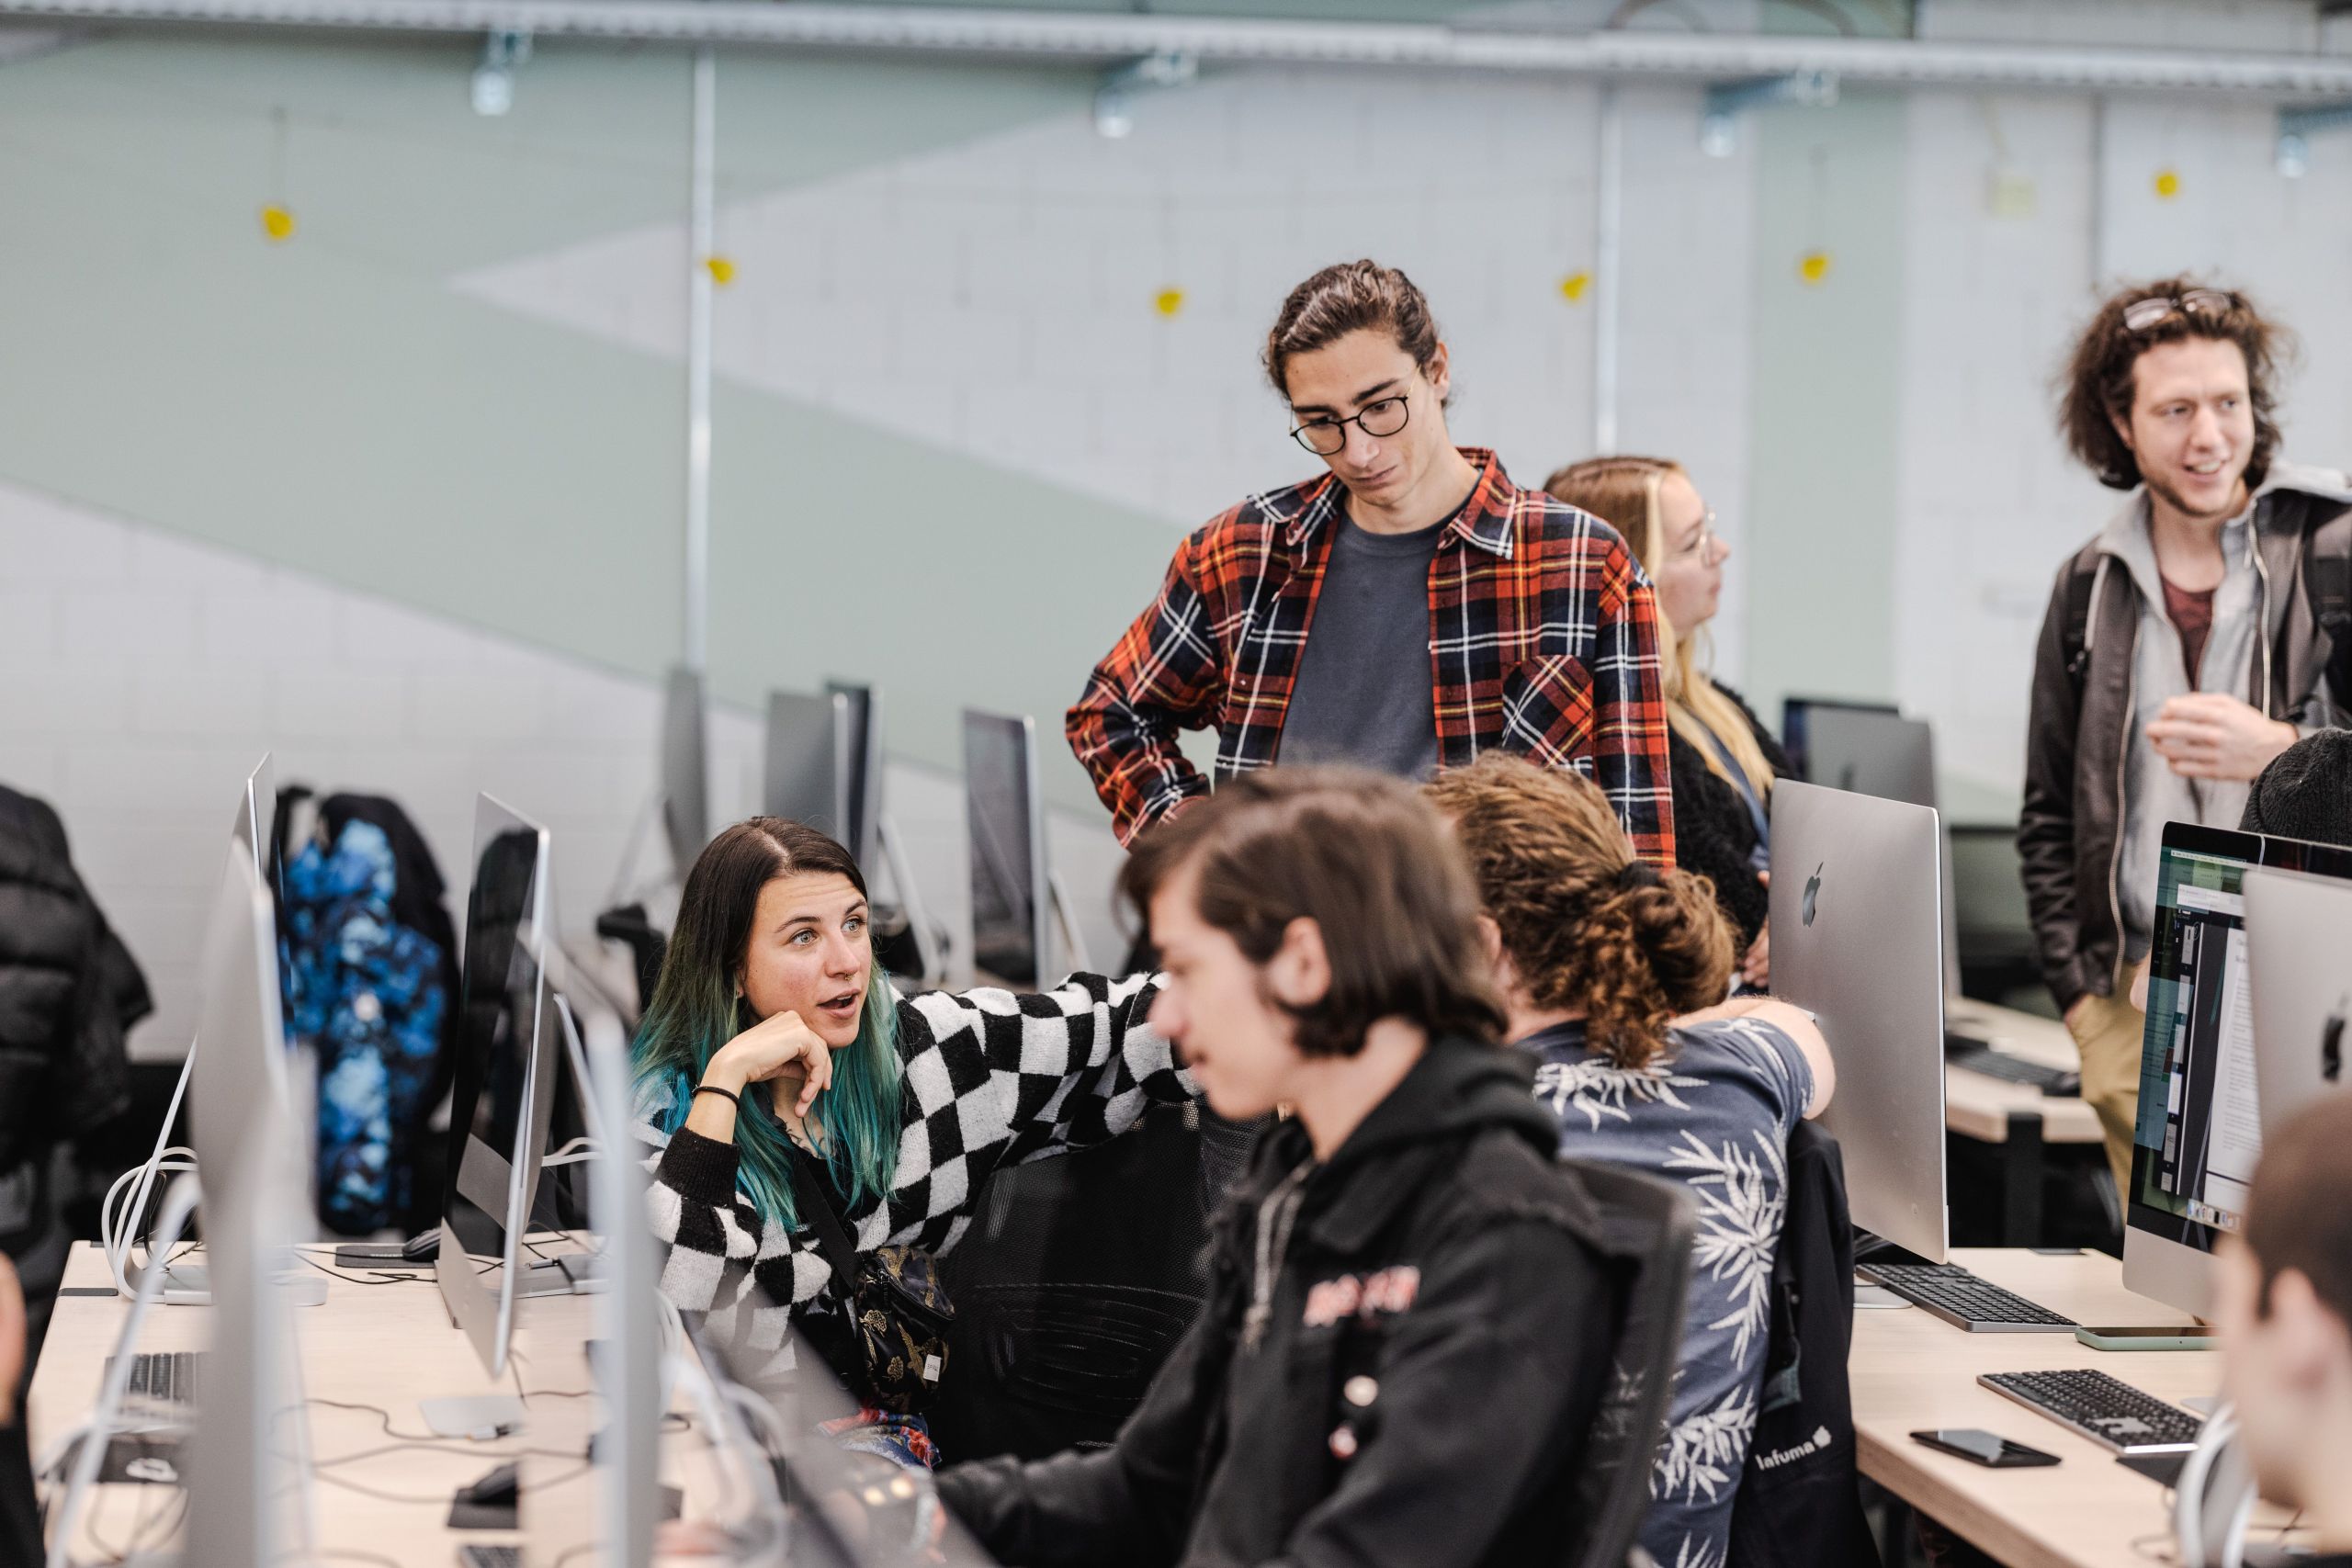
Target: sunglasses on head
2142, 314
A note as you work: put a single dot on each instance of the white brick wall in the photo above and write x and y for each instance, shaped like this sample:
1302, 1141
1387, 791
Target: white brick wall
146, 674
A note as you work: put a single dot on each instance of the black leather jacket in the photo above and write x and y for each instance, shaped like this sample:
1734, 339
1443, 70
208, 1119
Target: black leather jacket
68, 991
1433, 1349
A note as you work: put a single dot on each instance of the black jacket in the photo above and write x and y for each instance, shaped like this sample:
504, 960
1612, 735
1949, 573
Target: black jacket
68, 992
1714, 834
1799, 1499
1434, 1355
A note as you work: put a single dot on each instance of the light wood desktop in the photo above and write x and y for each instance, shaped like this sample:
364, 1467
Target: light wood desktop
1912, 1372
384, 1346
1978, 1106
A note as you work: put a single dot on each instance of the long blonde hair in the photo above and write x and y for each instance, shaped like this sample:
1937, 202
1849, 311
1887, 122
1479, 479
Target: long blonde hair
1625, 493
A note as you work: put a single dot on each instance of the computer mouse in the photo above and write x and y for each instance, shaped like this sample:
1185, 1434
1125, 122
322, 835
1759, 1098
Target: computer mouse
494, 1489
2066, 1085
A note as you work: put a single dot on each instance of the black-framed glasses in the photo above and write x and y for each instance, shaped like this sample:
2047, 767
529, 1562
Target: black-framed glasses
2142, 314
1325, 437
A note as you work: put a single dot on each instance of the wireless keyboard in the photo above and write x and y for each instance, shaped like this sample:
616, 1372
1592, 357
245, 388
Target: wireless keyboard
492, 1556
162, 1377
2059, 1081
2108, 1411
1960, 1299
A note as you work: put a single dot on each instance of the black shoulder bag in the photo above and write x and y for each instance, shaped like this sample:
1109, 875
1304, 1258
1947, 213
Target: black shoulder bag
893, 1304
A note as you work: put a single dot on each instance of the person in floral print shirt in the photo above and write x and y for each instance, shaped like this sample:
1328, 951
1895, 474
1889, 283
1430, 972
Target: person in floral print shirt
1607, 967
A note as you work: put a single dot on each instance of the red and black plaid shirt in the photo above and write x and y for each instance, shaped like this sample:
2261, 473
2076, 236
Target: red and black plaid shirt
1542, 641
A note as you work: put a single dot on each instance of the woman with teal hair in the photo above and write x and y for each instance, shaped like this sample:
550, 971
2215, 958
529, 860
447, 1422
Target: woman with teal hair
772, 1026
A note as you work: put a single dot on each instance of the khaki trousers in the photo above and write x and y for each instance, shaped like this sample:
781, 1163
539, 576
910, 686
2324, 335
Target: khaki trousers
2108, 1032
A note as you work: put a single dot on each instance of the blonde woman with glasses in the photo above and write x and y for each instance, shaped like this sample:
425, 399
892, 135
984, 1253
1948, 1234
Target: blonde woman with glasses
1723, 761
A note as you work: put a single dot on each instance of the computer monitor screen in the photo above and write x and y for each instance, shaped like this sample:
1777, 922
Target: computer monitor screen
1005, 820
686, 768
2298, 937
504, 1083
1856, 940
864, 769
2200, 1125
1796, 726
1871, 752
808, 764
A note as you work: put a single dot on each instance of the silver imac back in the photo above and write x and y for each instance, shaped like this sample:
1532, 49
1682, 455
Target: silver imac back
806, 776
1006, 821
504, 1091
1856, 939
2298, 957
249, 1461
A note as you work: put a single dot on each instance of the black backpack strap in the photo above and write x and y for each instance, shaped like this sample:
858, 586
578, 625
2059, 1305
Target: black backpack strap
2082, 584
2327, 589
812, 1196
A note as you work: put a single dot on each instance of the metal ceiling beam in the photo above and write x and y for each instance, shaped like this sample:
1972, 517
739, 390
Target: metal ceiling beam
1081, 36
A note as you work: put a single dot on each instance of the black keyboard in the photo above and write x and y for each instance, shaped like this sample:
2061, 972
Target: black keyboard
2061, 1081
1963, 1300
490, 1557
2108, 1411
162, 1377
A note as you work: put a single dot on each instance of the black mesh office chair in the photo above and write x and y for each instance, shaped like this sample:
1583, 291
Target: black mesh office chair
1648, 1227
1077, 1276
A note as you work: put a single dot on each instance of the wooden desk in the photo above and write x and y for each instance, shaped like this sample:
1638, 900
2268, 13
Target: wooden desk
1912, 1372
2016, 1118
385, 1345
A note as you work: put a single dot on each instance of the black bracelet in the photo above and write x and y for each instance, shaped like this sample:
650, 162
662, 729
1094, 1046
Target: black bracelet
727, 1094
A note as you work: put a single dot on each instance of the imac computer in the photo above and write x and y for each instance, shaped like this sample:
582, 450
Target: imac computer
1016, 900
248, 1464
1856, 940
864, 752
504, 1088
2299, 958
603, 1513
684, 768
184, 1285
2200, 1126
807, 768
1796, 726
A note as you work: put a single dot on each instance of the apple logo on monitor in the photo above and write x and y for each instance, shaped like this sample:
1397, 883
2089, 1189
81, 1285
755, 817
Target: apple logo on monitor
1812, 892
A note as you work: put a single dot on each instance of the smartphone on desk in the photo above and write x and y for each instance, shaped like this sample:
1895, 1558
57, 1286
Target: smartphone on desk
1987, 1449
2167, 1337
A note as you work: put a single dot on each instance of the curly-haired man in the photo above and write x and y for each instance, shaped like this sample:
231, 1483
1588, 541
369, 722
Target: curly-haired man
2194, 639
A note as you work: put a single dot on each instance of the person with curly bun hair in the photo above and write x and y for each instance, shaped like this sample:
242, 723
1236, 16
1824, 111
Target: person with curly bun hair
1608, 969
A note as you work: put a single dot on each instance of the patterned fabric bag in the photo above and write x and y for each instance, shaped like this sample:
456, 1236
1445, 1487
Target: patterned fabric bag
368, 995
895, 1309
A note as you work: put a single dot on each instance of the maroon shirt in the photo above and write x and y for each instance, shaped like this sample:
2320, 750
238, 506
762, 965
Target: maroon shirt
2192, 616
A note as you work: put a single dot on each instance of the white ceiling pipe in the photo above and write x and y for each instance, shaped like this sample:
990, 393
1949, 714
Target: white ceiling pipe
1088, 37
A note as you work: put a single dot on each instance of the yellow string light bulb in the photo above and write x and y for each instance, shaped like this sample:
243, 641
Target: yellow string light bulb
2167, 184
1573, 286
277, 223
722, 271
1813, 266
1168, 301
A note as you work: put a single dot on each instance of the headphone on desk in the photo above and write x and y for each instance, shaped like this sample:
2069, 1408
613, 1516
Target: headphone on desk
2213, 1496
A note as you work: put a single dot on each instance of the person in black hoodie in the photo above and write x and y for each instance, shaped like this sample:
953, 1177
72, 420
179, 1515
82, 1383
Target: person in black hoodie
1407, 1331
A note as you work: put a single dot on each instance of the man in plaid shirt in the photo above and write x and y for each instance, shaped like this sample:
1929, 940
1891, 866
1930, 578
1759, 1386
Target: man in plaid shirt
1466, 613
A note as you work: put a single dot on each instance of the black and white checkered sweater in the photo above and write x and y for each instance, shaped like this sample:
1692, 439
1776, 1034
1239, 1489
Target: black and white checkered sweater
991, 1077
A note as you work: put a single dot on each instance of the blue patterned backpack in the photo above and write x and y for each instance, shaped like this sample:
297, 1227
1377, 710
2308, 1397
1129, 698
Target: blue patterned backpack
369, 973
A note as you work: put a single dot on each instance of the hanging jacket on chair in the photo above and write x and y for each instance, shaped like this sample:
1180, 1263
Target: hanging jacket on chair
370, 978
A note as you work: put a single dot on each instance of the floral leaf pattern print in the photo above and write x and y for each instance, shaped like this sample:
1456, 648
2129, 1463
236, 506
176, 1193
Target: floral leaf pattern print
1596, 1089
1713, 1112
1743, 1199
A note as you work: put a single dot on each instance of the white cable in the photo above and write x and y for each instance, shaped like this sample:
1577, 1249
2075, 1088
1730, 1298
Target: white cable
119, 1222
